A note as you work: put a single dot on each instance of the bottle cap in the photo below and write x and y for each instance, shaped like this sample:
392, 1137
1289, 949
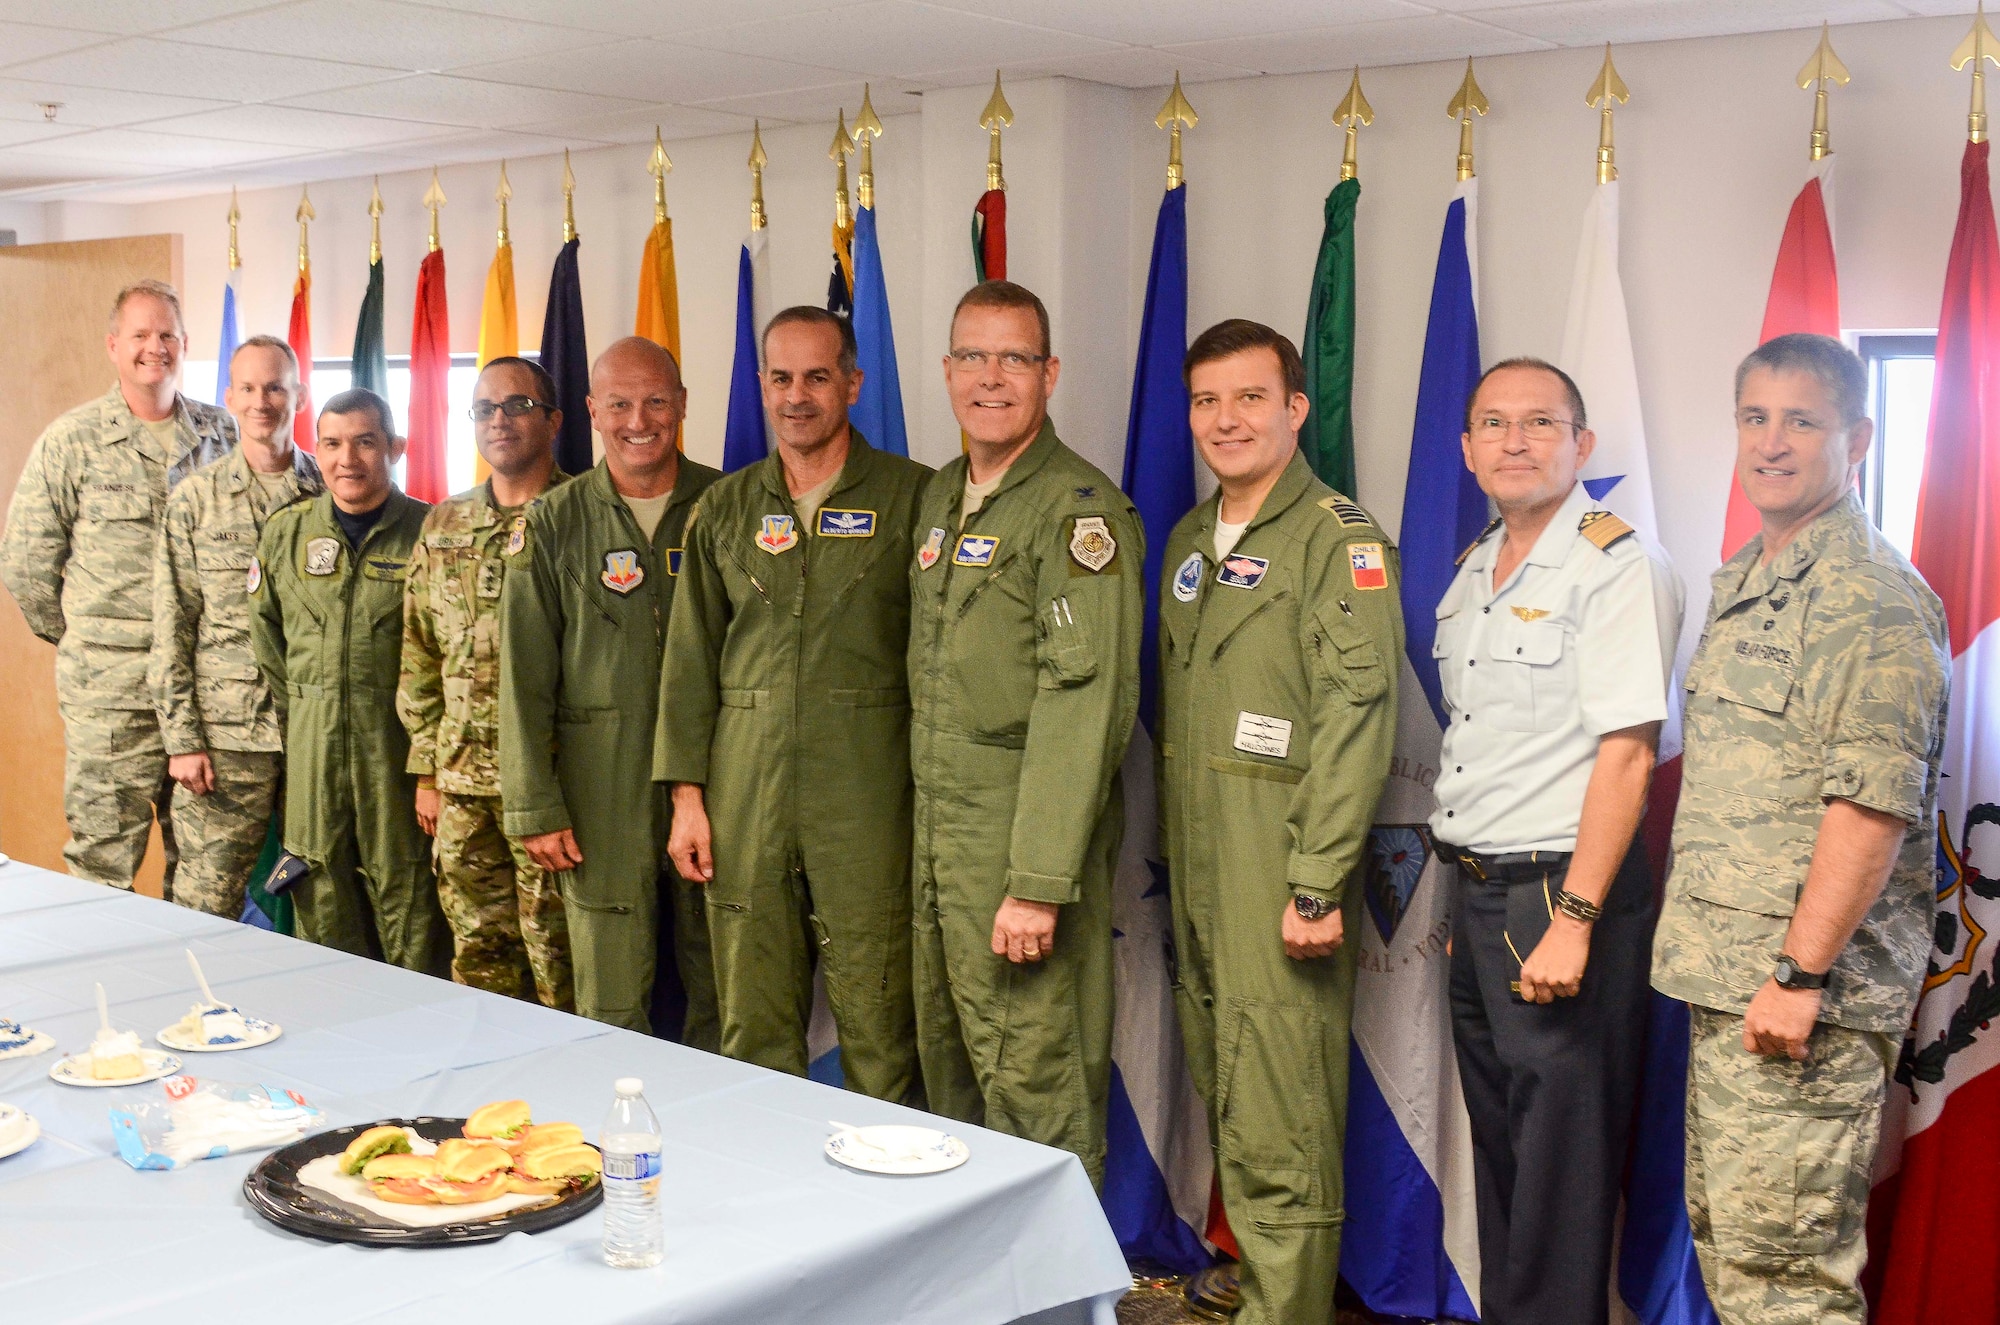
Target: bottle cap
629, 1086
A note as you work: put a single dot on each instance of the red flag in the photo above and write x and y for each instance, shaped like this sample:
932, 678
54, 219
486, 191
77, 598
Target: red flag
430, 377
1934, 1223
1805, 296
989, 236
300, 336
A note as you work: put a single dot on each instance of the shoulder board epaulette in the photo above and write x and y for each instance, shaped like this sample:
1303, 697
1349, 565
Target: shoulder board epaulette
1603, 528
1459, 560
1345, 511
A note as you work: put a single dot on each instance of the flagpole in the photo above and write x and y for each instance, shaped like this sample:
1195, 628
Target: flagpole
996, 116
840, 281
1466, 103
1824, 67
758, 160
989, 214
1352, 112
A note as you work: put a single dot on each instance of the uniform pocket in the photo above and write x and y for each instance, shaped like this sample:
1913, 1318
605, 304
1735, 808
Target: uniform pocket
1534, 694
1348, 658
1268, 1067
1066, 665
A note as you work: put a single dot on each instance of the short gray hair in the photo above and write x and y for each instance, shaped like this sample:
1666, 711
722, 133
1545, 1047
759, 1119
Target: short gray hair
150, 289
263, 341
1838, 369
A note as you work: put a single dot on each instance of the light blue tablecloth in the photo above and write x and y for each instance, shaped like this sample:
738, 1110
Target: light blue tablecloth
760, 1226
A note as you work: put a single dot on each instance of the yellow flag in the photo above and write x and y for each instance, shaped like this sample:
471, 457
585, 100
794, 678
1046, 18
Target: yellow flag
659, 317
499, 325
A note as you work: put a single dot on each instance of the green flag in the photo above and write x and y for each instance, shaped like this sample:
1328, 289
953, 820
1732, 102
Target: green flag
371, 364
1328, 437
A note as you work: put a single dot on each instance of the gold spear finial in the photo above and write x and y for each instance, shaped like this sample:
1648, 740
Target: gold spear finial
1824, 67
569, 199
867, 128
1978, 47
434, 199
235, 215
500, 195
842, 148
657, 166
1173, 115
1607, 91
1353, 112
1465, 103
997, 116
757, 163
375, 223
304, 215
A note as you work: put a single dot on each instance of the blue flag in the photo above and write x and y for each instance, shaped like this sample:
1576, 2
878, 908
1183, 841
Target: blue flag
743, 441
225, 344
566, 357
879, 412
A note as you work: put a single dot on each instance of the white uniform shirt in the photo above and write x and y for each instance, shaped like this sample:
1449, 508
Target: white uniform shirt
1579, 642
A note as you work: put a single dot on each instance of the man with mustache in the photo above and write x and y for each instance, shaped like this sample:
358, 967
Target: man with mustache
78, 558
217, 714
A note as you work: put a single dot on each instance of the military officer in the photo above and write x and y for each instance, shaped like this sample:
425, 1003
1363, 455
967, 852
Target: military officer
78, 557
508, 931
1024, 682
583, 624
1554, 647
1798, 917
326, 593
1276, 730
217, 715
785, 722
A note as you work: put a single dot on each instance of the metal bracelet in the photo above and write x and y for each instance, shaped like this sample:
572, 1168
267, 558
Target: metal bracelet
1578, 908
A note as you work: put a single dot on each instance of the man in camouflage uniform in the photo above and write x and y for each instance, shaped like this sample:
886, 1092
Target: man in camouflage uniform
507, 927
1799, 910
216, 713
78, 557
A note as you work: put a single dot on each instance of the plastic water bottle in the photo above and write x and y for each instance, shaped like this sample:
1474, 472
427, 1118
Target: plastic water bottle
633, 1238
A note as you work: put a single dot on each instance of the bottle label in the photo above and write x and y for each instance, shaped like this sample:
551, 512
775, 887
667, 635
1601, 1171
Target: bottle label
632, 1168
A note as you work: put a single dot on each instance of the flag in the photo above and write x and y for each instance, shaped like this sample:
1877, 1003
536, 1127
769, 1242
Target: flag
1597, 354
371, 360
225, 344
659, 317
1328, 436
1411, 1244
989, 236
430, 379
840, 282
499, 325
299, 336
1934, 1219
879, 411
743, 439
1157, 1167
566, 358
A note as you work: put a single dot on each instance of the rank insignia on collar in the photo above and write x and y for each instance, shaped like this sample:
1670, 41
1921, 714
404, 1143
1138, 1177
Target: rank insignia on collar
974, 550
622, 571
1242, 572
845, 524
517, 537
932, 549
1531, 613
1187, 580
253, 577
1493, 524
1091, 545
1369, 565
777, 534
322, 556
1086, 493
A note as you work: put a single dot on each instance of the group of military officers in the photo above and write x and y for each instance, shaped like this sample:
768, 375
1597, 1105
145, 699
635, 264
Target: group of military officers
879, 737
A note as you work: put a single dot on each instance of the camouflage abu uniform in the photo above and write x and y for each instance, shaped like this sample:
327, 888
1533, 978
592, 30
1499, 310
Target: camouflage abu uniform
1821, 675
206, 687
78, 556
508, 931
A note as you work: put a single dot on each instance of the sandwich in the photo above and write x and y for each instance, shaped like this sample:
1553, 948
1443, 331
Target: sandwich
543, 1135
556, 1170
400, 1177
474, 1173
501, 1122
372, 1143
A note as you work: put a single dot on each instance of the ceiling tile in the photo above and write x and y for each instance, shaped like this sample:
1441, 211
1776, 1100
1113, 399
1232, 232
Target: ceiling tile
1589, 22
643, 18
636, 126
161, 151
123, 16
288, 126
811, 105
1123, 66
381, 33
145, 64
655, 71
1185, 20
84, 107
22, 42
33, 133
1390, 41
492, 145
895, 36
441, 99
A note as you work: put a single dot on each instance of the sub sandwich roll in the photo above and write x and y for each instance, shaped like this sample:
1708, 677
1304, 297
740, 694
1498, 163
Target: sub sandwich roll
400, 1178
371, 1143
476, 1173
502, 1121
555, 1170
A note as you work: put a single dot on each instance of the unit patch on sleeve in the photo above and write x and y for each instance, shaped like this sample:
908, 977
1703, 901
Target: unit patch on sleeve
1187, 580
253, 577
777, 533
322, 556
974, 550
846, 524
1369, 565
932, 549
1091, 545
622, 571
1242, 572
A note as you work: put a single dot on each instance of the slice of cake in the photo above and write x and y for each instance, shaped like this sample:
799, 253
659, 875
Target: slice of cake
212, 1023
115, 1055
13, 1035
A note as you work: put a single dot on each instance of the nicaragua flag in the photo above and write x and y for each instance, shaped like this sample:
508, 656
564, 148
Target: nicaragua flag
879, 411
743, 439
1411, 1245
1157, 1166
225, 344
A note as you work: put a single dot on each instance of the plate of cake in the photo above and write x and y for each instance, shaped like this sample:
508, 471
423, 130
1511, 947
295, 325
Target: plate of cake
115, 1057
17, 1041
213, 1026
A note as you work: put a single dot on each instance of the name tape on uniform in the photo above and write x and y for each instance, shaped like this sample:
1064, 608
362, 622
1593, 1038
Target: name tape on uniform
1259, 734
974, 550
1242, 572
846, 524
622, 571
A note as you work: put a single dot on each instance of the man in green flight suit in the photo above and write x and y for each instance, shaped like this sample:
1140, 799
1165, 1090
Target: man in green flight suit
1024, 682
326, 598
785, 722
1280, 635
583, 624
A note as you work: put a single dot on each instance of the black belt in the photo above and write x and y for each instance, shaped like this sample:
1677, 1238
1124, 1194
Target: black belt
1510, 867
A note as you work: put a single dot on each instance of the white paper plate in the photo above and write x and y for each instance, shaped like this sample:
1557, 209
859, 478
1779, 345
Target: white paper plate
261, 1032
895, 1149
18, 1130
39, 1043
75, 1070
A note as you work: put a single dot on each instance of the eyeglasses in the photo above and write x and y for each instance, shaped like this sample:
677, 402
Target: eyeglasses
1536, 428
513, 407
1013, 363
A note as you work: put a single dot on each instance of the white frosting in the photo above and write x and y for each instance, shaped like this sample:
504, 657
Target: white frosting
13, 1034
115, 1044
215, 1023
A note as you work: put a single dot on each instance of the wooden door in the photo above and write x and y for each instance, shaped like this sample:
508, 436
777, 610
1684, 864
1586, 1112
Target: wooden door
56, 300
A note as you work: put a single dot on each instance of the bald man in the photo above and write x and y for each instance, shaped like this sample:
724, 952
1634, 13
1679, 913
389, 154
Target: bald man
583, 619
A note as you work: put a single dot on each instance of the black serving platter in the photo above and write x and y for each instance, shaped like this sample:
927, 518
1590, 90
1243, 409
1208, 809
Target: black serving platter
275, 1192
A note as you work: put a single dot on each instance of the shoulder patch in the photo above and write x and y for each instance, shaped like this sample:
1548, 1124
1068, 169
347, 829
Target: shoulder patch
1345, 511
1603, 528
1459, 560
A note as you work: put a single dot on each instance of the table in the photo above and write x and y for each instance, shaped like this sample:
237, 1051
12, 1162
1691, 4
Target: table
760, 1226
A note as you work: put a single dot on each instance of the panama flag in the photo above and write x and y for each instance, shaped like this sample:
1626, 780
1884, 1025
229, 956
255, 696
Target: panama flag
225, 344
743, 438
1934, 1219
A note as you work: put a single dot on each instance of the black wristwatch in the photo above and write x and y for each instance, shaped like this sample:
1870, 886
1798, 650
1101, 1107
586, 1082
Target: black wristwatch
1310, 907
1790, 975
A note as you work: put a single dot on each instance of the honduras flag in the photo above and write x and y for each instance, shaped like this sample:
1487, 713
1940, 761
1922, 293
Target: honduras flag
1410, 1247
879, 412
743, 440
225, 344
1157, 1167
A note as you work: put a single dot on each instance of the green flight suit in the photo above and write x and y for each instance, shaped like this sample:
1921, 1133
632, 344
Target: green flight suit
785, 695
1024, 683
1278, 670
583, 624
327, 627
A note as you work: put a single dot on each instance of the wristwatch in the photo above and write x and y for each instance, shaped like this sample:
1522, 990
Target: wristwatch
1790, 975
1310, 907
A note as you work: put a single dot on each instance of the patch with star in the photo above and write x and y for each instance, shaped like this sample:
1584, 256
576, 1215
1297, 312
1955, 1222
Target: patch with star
1369, 565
